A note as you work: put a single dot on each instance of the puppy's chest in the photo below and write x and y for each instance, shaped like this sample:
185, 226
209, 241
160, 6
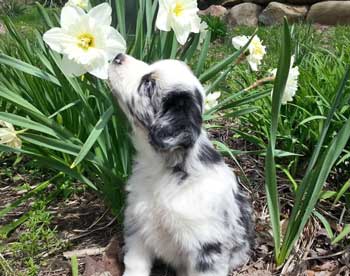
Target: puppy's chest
166, 212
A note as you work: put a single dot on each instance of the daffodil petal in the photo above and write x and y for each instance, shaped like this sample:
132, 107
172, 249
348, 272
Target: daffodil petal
100, 72
239, 41
253, 65
181, 32
102, 14
57, 38
195, 24
115, 43
163, 19
70, 16
71, 68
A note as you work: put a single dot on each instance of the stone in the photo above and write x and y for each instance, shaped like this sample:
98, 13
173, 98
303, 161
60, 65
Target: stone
231, 3
260, 2
245, 14
294, 2
274, 13
204, 4
214, 10
330, 13
303, 2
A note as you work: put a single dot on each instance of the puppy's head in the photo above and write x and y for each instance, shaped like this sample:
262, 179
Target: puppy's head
164, 99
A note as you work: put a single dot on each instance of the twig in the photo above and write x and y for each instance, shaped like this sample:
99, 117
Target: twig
259, 83
98, 220
346, 250
84, 252
95, 230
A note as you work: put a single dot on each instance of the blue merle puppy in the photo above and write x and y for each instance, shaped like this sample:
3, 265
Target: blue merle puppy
184, 204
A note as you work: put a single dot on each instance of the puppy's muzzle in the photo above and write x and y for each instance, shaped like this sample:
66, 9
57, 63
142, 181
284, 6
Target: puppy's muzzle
119, 59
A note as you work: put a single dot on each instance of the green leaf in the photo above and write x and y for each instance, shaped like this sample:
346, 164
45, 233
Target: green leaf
95, 133
27, 68
26, 123
75, 266
212, 71
342, 234
18, 100
270, 166
325, 223
342, 191
312, 118
52, 163
203, 55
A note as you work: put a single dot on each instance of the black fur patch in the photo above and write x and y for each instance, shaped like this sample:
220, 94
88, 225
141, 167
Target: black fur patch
199, 98
178, 169
208, 155
179, 122
246, 220
207, 255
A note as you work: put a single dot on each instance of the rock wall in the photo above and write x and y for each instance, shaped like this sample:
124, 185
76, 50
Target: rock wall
271, 12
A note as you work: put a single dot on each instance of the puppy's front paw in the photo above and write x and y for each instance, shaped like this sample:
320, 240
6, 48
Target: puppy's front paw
130, 272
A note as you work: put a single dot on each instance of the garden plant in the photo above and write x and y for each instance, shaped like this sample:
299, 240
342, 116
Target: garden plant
56, 107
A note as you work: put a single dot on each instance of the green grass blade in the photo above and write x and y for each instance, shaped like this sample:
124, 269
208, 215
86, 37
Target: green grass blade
95, 133
26, 123
342, 191
18, 100
39, 188
270, 166
203, 55
44, 15
326, 224
119, 10
27, 68
342, 234
75, 266
212, 71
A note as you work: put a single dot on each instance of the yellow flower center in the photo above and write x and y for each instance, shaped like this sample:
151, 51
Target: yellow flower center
257, 48
179, 8
86, 41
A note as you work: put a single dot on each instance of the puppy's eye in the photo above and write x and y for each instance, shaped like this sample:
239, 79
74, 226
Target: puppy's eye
148, 86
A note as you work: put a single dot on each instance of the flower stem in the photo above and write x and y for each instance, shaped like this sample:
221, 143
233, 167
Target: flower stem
259, 83
21, 131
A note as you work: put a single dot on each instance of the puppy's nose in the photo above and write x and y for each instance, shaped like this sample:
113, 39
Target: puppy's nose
119, 59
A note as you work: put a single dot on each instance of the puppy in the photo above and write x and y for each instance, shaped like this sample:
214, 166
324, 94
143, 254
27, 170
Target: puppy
184, 205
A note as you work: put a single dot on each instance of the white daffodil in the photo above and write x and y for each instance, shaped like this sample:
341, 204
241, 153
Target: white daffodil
179, 15
86, 40
256, 49
8, 135
211, 100
203, 31
84, 4
292, 82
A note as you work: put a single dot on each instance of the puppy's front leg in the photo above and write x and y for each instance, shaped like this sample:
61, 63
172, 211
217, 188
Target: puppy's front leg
138, 259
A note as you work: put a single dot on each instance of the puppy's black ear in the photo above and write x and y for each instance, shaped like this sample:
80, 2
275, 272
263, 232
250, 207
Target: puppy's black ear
179, 121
